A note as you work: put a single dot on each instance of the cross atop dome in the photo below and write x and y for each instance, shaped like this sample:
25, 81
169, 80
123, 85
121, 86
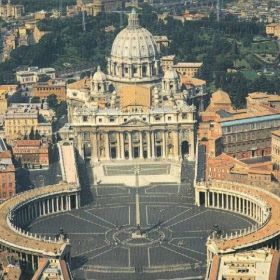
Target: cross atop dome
133, 20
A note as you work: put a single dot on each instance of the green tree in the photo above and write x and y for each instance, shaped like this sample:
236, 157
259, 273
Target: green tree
35, 99
31, 134
44, 78
37, 135
52, 100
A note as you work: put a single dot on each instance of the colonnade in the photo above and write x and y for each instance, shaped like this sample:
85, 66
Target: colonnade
20, 210
45, 206
240, 203
255, 203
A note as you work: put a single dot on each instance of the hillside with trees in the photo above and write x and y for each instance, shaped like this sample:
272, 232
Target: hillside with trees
228, 44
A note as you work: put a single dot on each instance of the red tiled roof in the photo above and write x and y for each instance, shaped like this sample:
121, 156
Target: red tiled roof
274, 265
215, 268
28, 143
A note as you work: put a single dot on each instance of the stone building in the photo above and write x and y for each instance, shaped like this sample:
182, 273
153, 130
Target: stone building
131, 113
243, 133
7, 173
275, 153
255, 264
32, 74
11, 11
94, 7
21, 118
224, 167
33, 153
54, 86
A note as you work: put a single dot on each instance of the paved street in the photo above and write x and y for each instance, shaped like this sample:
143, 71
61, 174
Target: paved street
173, 232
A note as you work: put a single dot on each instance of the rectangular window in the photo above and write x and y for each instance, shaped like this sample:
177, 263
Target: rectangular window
169, 118
100, 120
85, 118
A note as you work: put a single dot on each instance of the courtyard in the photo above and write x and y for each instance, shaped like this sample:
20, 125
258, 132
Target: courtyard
173, 231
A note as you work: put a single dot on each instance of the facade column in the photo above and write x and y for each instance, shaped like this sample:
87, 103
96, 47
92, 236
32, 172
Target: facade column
223, 202
163, 144
208, 199
121, 144
107, 153
176, 144
130, 145
80, 146
148, 133
94, 147
118, 146
231, 202
141, 144
153, 144
218, 200
69, 202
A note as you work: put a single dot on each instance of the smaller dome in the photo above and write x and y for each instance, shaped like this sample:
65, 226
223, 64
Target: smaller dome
171, 74
99, 76
46, 105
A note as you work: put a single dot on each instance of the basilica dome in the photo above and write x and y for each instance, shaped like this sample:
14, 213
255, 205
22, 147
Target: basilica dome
134, 42
134, 57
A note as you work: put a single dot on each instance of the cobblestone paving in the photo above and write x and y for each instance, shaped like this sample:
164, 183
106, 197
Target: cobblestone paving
174, 232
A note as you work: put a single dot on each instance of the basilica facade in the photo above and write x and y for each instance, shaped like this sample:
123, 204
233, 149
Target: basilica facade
133, 111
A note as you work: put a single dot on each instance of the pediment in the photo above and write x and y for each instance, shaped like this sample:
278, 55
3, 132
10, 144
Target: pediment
135, 122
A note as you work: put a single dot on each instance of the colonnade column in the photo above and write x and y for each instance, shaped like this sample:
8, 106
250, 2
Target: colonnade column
57, 204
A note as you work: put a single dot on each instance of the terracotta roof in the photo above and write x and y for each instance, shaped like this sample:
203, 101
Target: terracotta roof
64, 270
192, 81
274, 268
221, 97
43, 263
258, 95
5, 154
28, 143
215, 268
276, 132
135, 95
274, 97
81, 84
